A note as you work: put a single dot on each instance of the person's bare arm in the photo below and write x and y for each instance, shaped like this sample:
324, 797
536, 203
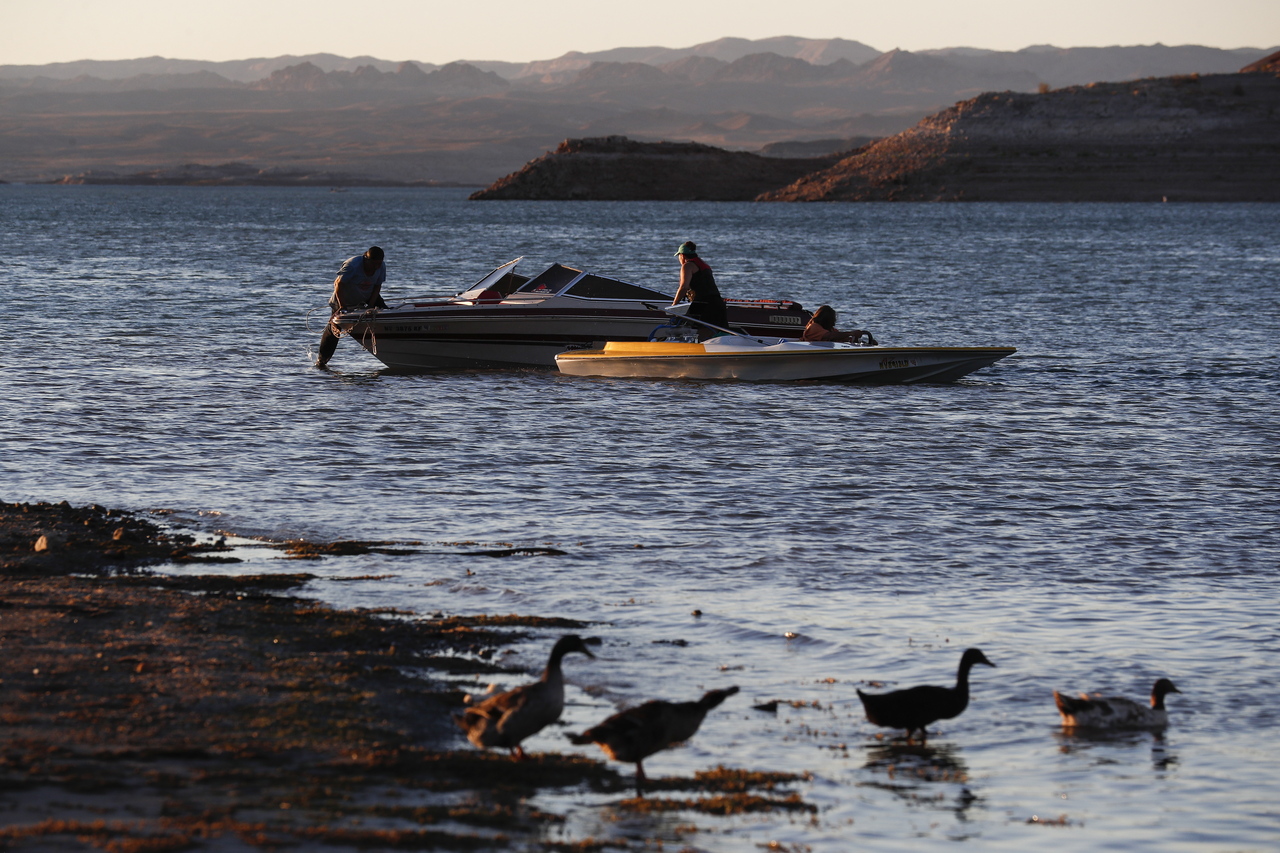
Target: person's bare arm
686, 276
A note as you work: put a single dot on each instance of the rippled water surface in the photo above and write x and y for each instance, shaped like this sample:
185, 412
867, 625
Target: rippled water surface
1095, 512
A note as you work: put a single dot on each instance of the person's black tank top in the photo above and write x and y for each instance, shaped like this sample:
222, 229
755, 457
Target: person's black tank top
702, 287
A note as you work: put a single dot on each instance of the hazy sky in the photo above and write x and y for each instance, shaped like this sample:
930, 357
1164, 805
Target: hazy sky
439, 31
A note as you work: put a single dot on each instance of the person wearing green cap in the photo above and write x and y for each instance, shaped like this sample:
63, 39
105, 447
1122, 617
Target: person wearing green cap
698, 285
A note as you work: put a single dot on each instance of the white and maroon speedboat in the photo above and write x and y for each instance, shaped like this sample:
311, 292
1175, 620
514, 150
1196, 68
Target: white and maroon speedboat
510, 320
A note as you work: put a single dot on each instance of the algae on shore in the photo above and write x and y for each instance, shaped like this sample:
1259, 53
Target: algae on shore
144, 712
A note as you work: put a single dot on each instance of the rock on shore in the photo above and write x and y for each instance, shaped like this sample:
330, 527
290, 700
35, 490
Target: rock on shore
1192, 138
614, 168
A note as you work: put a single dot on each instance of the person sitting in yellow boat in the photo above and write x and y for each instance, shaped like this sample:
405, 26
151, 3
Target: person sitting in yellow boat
822, 327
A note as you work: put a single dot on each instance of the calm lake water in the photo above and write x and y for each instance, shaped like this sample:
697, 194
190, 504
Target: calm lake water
1095, 512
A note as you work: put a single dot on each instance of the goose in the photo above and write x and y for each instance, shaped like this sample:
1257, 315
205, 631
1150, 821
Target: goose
633, 735
917, 707
506, 719
1095, 711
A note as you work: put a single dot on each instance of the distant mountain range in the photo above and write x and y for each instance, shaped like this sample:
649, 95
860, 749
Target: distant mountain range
468, 122
1053, 65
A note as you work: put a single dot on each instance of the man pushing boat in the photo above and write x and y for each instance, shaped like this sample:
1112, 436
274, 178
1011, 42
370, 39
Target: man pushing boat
358, 285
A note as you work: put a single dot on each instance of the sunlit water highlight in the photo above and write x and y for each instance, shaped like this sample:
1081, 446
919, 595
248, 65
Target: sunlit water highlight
1095, 512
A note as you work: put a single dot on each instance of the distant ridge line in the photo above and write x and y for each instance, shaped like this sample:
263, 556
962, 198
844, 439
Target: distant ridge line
814, 51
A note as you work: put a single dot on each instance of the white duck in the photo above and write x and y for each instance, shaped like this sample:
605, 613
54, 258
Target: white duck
1094, 711
506, 719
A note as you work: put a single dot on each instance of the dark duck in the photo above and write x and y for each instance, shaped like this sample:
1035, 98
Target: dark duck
506, 719
633, 735
915, 708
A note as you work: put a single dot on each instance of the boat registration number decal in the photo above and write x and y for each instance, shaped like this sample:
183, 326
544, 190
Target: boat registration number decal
896, 363
389, 328
784, 319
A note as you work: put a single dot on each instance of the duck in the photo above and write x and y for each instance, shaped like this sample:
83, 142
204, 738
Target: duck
633, 735
505, 719
1095, 711
916, 708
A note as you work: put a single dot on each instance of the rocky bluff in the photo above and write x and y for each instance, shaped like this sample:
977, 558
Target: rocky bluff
1192, 138
1187, 138
617, 168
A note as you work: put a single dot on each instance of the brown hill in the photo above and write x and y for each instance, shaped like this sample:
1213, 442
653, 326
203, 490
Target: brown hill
770, 68
457, 79
616, 168
901, 73
138, 83
694, 69
1267, 64
303, 77
606, 74
1213, 138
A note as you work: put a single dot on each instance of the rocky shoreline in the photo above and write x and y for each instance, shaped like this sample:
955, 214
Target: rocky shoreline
236, 175
145, 712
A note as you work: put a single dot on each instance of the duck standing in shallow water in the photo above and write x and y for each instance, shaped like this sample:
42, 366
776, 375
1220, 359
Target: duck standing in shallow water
917, 707
1094, 711
506, 719
635, 734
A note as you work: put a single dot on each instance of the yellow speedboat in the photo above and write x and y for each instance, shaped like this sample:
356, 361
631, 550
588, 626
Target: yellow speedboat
756, 359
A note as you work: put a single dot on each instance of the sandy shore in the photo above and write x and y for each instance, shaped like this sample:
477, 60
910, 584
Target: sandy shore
142, 712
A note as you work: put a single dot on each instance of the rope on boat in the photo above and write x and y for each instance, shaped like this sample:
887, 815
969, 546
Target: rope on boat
369, 336
307, 321
366, 317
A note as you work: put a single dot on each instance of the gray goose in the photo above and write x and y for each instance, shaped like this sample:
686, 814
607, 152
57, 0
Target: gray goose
506, 719
634, 734
916, 708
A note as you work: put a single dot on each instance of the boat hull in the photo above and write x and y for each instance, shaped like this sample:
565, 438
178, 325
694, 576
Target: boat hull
489, 336
507, 336
782, 363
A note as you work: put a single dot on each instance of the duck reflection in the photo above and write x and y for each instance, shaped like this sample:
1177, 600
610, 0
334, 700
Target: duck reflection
1161, 758
909, 767
1093, 744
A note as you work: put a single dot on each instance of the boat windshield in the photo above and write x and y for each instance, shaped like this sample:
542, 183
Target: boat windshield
599, 287
500, 279
550, 281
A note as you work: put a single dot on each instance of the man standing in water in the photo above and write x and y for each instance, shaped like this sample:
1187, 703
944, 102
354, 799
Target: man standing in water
358, 285
698, 285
